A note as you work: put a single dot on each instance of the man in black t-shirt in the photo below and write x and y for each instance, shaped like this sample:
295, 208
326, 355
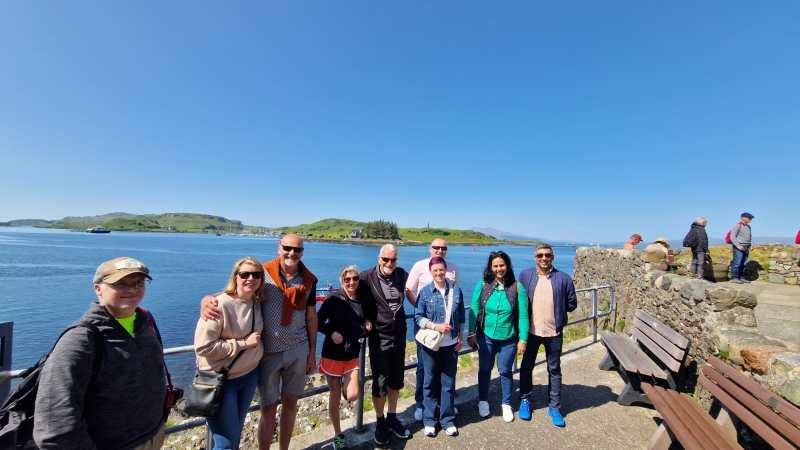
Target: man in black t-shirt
383, 291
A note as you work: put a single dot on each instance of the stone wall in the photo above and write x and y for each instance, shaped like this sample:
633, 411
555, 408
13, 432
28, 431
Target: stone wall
784, 266
716, 319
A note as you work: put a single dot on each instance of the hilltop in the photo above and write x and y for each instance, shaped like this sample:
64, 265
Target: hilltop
350, 230
168, 222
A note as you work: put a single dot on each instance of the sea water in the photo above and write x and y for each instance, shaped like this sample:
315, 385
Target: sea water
46, 277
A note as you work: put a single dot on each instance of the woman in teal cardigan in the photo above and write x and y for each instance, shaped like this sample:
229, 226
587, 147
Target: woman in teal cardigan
498, 325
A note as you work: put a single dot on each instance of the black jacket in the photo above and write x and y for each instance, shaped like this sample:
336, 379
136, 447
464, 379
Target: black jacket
696, 238
388, 326
125, 406
346, 317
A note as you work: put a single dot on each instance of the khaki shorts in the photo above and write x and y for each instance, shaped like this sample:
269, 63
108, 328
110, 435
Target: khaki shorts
283, 373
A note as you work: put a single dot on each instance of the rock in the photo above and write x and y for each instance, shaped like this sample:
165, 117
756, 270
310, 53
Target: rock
663, 283
734, 341
725, 298
695, 290
781, 365
652, 275
739, 315
757, 358
775, 278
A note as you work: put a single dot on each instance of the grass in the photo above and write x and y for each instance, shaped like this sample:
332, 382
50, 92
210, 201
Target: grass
723, 355
368, 406
620, 325
465, 361
406, 392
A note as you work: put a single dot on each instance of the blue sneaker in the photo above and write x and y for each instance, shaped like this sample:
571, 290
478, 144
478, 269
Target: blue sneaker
525, 412
556, 417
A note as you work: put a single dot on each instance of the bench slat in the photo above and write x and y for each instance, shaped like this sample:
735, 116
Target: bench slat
630, 356
693, 418
780, 405
763, 412
686, 421
722, 436
674, 351
740, 411
670, 418
659, 352
672, 335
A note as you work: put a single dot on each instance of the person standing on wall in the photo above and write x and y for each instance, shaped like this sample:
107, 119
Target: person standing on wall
697, 240
551, 295
382, 288
418, 278
289, 311
741, 237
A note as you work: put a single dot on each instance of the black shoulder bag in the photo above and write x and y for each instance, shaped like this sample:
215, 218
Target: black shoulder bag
204, 396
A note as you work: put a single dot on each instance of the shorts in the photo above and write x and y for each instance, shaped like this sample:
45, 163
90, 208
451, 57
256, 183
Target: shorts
283, 373
336, 368
388, 368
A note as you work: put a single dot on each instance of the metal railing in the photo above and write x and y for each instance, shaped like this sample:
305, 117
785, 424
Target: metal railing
596, 314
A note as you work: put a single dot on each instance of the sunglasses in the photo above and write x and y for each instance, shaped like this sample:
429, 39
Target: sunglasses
248, 275
439, 247
289, 248
544, 255
350, 279
388, 260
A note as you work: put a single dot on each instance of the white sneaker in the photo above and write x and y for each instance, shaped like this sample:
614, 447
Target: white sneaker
430, 431
418, 414
451, 430
508, 413
483, 408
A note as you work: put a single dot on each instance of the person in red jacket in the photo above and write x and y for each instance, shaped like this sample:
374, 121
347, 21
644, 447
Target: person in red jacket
797, 238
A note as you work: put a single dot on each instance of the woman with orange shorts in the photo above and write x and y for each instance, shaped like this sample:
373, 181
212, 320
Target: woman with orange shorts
341, 320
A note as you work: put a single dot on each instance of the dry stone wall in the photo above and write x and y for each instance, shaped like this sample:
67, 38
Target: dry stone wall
784, 266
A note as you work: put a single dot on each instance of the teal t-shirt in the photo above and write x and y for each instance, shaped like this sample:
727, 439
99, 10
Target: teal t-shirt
497, 322
127, 322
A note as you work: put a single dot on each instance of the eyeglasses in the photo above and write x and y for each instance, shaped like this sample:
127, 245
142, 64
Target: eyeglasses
289, 248
248, 275
439, 247
350, 279
388, 260
544, 255
120, 285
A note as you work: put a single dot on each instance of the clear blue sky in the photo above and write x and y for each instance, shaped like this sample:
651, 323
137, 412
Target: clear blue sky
582, 120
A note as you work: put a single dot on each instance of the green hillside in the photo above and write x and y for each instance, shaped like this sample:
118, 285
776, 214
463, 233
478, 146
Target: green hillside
175, 222
336, 229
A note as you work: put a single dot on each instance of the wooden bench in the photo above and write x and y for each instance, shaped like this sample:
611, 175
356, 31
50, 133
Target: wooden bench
655, 353
769, 415
684, 421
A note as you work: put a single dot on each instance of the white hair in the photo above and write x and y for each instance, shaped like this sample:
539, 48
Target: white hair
387, 247
700, 220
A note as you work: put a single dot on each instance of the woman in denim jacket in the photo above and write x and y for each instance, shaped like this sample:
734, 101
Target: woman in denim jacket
440, 365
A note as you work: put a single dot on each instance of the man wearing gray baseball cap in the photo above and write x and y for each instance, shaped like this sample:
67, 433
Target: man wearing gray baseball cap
105, 384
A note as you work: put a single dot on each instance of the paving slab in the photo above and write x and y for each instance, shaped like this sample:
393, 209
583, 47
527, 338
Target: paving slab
594, 419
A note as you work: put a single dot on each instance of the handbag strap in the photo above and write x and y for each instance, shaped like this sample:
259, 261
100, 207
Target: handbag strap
252, 328
448, 306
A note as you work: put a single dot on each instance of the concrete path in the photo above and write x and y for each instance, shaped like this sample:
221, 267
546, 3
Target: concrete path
777, 312
594, 419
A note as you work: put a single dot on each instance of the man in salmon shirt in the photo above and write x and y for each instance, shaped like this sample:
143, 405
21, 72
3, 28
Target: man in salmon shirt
551, 295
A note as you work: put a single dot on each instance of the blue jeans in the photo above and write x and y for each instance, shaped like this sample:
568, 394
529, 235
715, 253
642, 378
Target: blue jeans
226, 426
488, 348
552, 349
739, 260
440, 376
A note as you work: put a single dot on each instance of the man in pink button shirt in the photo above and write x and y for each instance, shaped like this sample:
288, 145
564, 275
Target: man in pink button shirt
419, 277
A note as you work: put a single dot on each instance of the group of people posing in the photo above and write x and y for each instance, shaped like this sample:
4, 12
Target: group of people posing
105, 384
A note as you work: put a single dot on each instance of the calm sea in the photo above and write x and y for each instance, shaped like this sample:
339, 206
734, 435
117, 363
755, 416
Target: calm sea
45, 277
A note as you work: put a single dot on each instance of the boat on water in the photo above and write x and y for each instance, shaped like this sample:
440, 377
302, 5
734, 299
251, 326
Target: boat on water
98, 230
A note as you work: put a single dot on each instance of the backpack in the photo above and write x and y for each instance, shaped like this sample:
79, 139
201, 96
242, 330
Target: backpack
690, 240
16, 413
728, 239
